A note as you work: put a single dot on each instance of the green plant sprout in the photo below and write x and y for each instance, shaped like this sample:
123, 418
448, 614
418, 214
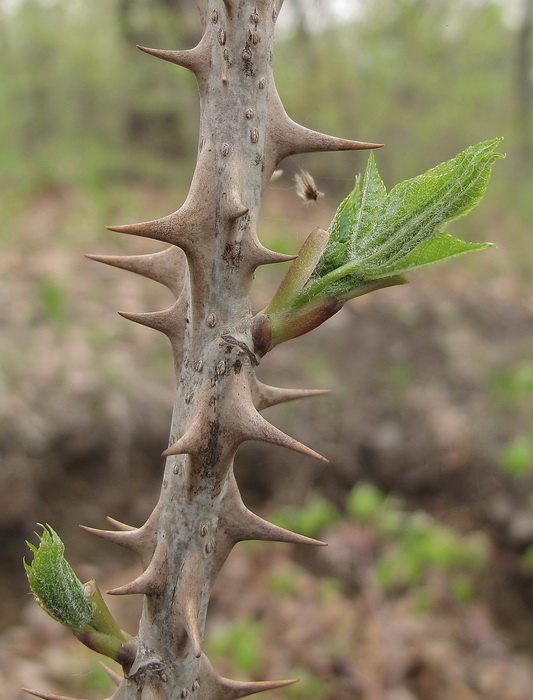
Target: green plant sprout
376, 237
80, 607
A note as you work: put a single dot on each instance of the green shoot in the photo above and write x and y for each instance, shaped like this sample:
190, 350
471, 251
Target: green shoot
54, 584
80, 607
374, 239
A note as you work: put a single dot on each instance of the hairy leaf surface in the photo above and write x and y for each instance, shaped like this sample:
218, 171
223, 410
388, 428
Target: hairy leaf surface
55, 585
375, 235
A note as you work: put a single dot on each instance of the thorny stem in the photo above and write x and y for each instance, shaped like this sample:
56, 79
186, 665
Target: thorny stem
214, 250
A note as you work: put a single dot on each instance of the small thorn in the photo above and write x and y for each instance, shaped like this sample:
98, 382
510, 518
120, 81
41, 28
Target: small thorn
187, 444
231, 690
185, 59
153, 578
180, 447
264, 256
46, 696
120, 525
195, 60
170, 321
190, 620
187, 596
266, 396
168, 229
261, 429
166, 267
124, 538
115, 677
236, 209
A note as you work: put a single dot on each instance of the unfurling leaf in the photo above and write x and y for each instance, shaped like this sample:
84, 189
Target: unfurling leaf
55, 585
378, 235
375, 238
80, 607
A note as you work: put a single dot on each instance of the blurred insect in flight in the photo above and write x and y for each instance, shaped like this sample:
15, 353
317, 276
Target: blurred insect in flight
305, 187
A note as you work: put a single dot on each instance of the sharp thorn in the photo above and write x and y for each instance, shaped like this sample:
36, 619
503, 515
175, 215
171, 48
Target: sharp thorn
166, 267
255, 528
185, 59
120, 525
194, 60
163, 321
264, 256
167, 229
187, 444
241, 524
115, 677
153, 578
190, 619
266, 396
261, 429
124, 538
231, 690
289, 138
46, 696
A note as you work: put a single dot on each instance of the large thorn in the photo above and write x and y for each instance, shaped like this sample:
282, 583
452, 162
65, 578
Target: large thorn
215, 686
189, 443
288, 138
166, 267
124, 538
257, 428
171, 321
266, 396
241, 524
252, 527
186, 59
195, 60
260, 255
152, 580
231, 690
169, 229
142, 541
47, 696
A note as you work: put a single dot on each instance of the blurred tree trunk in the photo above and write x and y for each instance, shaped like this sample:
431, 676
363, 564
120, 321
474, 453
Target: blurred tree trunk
127, 8
161, 129
524, 82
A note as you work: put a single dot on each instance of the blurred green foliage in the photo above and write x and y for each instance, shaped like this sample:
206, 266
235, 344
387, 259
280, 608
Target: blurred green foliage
79, 104
516, 458
311, 519
410, 549
239, 641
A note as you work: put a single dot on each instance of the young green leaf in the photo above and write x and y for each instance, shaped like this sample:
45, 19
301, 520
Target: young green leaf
54, 584
385, 235
374, 239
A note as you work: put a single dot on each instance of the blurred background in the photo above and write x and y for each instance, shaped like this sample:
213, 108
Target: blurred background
426, 589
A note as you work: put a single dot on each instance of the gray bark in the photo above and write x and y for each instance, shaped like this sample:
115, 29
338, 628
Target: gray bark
214, 250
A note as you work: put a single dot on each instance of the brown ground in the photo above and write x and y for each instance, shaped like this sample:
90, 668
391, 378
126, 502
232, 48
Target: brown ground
430, 381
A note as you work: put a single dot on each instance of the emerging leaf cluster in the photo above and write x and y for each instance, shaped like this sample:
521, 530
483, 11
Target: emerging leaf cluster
377, 235
55, 585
